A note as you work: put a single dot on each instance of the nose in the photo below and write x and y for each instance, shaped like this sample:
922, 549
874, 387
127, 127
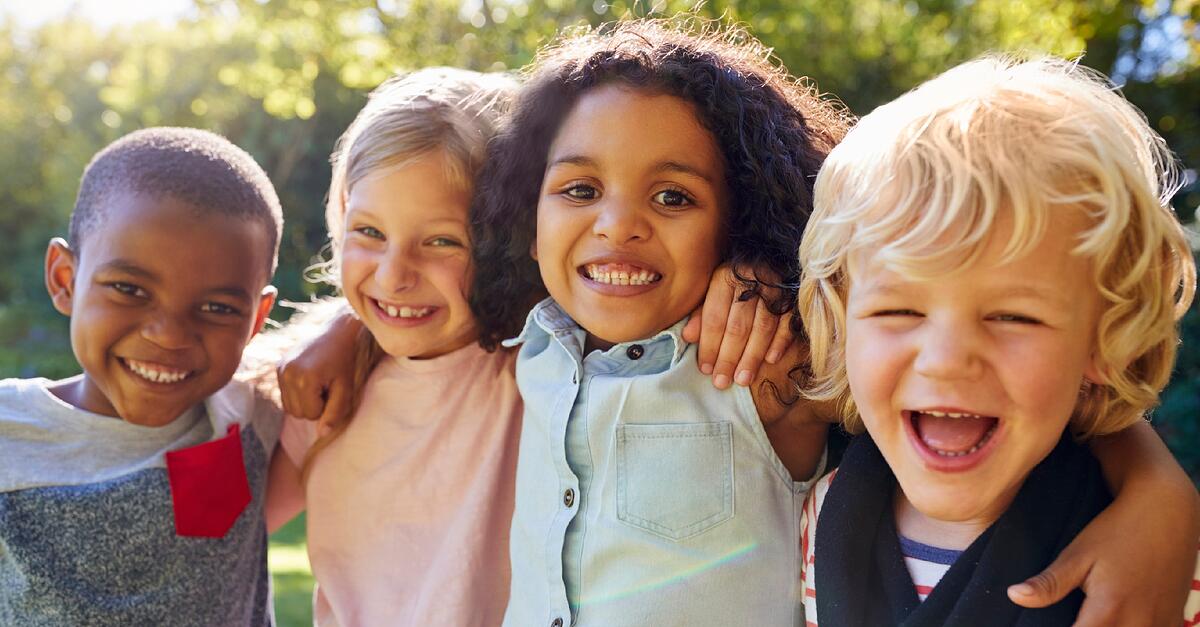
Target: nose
620, 221
396, 270
169, 330
948, 350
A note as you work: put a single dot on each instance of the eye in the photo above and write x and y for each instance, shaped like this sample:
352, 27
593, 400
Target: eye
370, 232
445, 242
890, 313
128, 289
673, 198
581, 191
219, 308
1013, 317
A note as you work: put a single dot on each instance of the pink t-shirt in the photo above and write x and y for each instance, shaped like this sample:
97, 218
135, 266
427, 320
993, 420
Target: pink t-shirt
409, 509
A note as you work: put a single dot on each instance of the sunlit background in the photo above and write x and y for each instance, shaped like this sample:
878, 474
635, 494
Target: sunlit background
283, 78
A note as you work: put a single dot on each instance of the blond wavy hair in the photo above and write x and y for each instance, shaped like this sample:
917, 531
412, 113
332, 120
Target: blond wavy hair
407, 117
922, 182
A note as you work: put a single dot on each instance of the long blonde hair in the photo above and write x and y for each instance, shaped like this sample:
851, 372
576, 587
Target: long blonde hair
922, 182
410, 115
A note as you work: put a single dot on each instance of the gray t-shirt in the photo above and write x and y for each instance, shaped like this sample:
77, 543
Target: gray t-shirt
87, 527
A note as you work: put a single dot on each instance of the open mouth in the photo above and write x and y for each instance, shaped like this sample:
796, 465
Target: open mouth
950, 434
403, 312
155, 372
619, 274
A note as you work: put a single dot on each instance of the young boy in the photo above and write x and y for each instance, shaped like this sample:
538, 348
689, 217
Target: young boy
132, 493
992, 273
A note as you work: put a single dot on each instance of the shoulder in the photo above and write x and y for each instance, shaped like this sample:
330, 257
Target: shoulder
244, 403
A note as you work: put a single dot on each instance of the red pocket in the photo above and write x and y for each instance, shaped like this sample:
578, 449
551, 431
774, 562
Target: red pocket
209, 488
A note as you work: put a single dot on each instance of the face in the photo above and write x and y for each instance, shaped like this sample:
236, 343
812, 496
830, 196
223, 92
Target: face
406, 259
630, 213
162, 298
966, 382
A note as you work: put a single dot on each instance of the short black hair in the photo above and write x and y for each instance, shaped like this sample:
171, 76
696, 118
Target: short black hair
773, 132
191, 165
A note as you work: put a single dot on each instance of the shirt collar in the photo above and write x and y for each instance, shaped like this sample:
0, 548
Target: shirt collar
548, 318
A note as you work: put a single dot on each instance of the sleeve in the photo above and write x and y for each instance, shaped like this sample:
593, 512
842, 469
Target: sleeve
296, 438
1191, 609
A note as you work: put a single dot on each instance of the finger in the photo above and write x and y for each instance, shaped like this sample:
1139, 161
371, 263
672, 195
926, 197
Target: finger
712, 320
1052, 584
337, 405
762, 332
784, 336
691, 330
733, 343
300, 399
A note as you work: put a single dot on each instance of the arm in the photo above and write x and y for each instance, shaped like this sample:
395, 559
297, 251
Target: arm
285, 491
1135, 560
796, 426
735, 331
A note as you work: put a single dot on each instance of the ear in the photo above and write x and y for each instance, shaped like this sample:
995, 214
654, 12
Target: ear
60, 275
1094, 372
264, 307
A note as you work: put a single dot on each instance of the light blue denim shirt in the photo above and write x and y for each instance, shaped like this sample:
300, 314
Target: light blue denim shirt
645, 496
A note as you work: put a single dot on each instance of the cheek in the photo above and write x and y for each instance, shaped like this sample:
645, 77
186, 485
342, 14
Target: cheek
870, 365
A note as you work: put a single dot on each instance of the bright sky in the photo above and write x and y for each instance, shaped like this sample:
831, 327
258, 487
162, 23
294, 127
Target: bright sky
102, 13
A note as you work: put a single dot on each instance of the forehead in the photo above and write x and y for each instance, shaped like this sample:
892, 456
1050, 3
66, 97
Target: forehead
1017, 256
637, 128
179, 242
421, 189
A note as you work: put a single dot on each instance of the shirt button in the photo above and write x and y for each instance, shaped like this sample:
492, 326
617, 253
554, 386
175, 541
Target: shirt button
557, 623
569, 497
635, 352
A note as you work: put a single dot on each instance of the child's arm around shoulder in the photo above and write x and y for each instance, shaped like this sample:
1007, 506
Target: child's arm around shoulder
1136, 560
797, 427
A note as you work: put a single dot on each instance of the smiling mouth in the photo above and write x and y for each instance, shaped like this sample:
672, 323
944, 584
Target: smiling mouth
953, 434
619, 274
402, 311
154, 372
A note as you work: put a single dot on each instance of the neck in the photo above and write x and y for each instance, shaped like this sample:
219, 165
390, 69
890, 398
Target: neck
944, 534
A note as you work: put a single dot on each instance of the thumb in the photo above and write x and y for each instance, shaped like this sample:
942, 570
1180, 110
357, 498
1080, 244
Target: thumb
691, 330
1052, 584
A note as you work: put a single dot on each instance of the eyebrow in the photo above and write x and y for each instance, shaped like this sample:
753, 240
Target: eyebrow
664, 166
128, 267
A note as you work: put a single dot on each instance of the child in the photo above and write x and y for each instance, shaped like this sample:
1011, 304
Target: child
642, 156
132, 493
408, 510
436, 476
644, 497
992, 272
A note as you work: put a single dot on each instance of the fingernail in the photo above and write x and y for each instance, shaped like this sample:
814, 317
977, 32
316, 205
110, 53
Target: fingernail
1021, 589
722, 381
743, 377
706, 368
773, 357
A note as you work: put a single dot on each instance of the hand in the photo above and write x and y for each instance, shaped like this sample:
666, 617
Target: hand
735, 332
1135, 561
317, 383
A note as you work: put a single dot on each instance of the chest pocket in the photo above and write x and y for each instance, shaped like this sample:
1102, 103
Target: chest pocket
675, 480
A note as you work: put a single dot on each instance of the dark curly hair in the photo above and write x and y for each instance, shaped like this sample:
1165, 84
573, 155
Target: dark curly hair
772, 130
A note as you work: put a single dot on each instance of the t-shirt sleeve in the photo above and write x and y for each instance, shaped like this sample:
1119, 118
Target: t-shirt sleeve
297, 437
1191, 609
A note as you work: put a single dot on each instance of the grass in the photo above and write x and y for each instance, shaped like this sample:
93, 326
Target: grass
291, 576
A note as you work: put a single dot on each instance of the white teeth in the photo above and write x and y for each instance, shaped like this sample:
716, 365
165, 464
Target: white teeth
621, 277
404, 312
154, 374
944, 414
